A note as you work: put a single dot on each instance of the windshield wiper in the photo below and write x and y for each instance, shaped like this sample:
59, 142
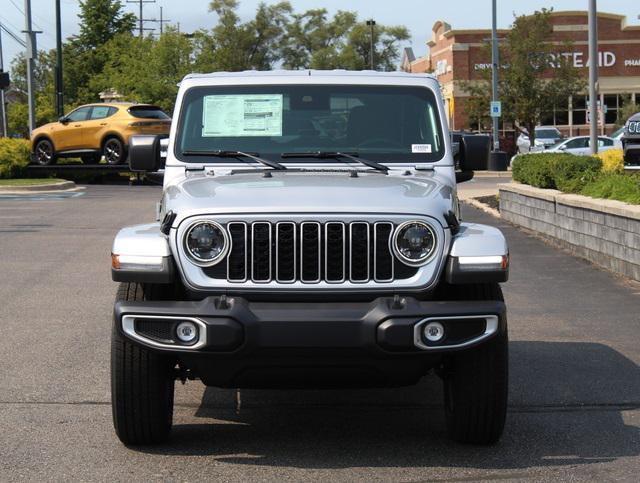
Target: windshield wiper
220, 153
337, 154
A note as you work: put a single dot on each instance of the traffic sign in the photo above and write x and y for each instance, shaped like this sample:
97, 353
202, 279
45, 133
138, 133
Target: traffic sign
496, 109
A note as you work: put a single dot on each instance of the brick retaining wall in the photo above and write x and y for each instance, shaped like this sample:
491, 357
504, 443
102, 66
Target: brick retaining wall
603, 231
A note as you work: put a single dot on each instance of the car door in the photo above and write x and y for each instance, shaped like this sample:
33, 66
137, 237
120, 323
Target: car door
577, 146
68, 134
604, 144
95, 125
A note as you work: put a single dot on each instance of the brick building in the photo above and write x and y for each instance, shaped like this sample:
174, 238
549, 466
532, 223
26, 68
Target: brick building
459, 56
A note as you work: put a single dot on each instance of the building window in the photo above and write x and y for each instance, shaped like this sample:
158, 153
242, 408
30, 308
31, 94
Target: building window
579, 108
558, 116
611, 103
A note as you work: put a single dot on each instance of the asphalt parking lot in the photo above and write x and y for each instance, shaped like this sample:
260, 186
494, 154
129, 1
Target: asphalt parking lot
574, 398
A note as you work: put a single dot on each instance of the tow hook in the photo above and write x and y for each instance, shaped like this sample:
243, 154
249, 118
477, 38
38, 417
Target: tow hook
183, 374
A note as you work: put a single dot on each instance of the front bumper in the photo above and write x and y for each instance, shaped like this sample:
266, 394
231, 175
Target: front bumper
249, 344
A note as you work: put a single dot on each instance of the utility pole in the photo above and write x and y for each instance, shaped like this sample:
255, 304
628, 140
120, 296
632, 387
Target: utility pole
3, 106
593, 76
371, 23
162, 21
141, 19
59, 84
495, 59
31, 55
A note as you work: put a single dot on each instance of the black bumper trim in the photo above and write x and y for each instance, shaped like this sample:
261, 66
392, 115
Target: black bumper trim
280, 328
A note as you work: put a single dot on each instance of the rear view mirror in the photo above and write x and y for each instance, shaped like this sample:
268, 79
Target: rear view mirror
145, 152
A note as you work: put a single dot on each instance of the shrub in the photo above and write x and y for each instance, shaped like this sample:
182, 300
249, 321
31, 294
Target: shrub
614, 186
15, 155
612, 160
562, 171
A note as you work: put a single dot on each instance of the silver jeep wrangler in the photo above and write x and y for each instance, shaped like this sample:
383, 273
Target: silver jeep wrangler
309, 235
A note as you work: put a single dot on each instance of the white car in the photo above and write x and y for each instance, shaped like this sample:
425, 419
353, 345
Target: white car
581, 145
546, 136
617, 137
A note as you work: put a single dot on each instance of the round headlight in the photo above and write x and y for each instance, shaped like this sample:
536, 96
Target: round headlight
414, 243
206, 243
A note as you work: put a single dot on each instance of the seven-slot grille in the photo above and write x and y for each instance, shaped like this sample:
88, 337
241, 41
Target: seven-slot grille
312, 252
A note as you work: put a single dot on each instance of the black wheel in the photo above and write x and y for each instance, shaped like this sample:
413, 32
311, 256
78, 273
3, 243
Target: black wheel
44, 153
114, 151
476, 381
91, 158
142, 385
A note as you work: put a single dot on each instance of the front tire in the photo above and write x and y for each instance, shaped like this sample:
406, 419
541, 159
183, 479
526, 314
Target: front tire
142, 385
476, 381
44, 153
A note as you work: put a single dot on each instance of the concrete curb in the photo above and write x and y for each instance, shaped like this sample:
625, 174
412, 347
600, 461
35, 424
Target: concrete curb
492, 174
57, 186
481, 206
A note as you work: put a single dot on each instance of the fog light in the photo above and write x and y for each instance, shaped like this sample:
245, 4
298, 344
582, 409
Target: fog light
434, 331
187, 331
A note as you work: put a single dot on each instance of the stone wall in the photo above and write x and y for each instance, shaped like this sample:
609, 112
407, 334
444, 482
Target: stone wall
605, 232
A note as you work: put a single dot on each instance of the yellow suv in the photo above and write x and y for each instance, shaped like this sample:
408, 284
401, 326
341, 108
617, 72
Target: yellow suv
97, 130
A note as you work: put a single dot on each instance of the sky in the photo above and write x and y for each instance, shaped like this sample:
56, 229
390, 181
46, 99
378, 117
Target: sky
418, 15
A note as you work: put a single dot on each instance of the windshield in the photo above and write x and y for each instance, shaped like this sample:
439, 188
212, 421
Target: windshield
547, 133
382, 123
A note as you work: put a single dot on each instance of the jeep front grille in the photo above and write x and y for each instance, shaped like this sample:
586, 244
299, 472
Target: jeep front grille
311, 252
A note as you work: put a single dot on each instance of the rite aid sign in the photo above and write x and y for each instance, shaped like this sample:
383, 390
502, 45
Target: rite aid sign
579, 60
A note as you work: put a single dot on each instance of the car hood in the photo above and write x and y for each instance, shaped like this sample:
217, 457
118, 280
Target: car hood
421, 193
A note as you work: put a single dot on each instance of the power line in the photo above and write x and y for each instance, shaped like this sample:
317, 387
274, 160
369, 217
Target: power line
13, 35
141, 19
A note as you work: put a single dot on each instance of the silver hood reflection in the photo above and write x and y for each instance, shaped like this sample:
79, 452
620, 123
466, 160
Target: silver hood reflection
420, 193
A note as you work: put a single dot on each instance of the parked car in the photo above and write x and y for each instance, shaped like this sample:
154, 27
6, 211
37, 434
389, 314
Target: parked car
290, 256
631, 143
617, 137
546, 136
96, 130
581, 145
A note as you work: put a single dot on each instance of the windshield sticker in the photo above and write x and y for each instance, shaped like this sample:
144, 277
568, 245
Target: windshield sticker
421, 148
242, 115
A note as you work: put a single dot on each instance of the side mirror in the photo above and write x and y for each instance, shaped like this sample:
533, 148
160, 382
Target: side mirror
562, 148
473, 155
144, 152
63, 120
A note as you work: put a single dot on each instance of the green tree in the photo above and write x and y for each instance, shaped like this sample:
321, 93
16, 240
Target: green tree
343, 42
86, 54
18, 112
101, 20
147, 69
250, 45
526, 91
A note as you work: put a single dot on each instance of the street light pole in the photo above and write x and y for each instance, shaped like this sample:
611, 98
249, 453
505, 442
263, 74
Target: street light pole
371, 23
3, 106
494, 73
31, 54
593, 76
59, 84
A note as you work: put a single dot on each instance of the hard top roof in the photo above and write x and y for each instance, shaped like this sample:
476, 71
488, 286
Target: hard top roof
307, 73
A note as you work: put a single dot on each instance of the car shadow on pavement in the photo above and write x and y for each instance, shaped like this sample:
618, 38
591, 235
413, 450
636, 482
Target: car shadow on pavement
570, 404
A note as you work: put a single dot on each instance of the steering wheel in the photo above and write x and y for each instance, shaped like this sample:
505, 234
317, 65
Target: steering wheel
380, 142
